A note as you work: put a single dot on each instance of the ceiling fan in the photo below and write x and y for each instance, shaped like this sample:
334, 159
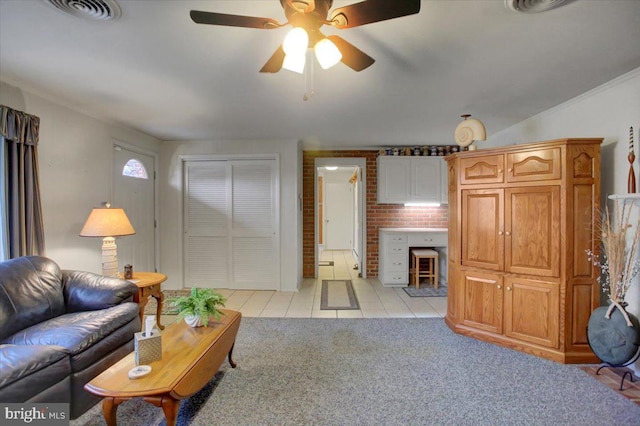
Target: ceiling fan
306, 18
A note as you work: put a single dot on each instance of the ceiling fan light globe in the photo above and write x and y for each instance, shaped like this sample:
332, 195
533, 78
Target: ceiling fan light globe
327, 53
294, 63
296, 42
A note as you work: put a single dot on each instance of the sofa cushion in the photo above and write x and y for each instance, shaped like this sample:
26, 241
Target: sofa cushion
79, 331
86, 291
29, 370
31, 292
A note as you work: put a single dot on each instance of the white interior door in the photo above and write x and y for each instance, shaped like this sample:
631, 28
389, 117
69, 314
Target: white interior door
206, 234
357, 243
231, 224
253, 225
339, 216
134, 191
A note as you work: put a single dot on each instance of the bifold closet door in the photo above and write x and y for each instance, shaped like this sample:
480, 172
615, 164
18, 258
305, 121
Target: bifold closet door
206, 224
231, 224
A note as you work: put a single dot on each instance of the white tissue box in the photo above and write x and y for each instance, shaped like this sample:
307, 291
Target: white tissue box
147, 348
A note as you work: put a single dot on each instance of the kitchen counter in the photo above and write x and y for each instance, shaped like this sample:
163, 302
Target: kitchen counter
414, 229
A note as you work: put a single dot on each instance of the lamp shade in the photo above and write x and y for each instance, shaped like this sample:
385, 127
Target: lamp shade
107, 222
294, 63
327, 53
296, 42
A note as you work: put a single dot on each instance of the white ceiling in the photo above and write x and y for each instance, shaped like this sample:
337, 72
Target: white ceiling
157, 71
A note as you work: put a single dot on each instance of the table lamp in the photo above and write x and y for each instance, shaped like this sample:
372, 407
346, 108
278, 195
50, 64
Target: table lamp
108, 223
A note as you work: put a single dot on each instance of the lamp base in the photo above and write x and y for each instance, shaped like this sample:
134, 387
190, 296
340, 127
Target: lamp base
109, 257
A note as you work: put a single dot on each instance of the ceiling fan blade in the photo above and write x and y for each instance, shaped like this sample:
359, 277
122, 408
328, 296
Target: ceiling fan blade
370, 11
352, 57
274, 64
212, 18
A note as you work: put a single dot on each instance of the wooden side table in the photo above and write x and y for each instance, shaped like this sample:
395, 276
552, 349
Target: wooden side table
149, 285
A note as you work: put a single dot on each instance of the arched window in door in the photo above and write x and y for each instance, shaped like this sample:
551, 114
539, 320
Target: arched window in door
135, 169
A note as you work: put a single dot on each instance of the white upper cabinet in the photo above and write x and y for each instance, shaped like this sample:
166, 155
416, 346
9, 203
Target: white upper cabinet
410, 180
394, 179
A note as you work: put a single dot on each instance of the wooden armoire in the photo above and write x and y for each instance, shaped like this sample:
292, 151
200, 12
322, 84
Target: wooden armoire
521, 218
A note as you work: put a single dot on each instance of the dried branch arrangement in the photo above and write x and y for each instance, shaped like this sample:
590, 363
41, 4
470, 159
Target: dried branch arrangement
619, 264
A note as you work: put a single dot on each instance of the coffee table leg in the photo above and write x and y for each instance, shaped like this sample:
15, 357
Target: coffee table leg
169, 405
231, 361
110, 409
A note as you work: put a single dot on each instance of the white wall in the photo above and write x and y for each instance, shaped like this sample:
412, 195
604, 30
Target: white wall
75, 156
170, 181
607, 111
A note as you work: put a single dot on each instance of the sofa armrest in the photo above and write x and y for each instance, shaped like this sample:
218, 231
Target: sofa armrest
86, 291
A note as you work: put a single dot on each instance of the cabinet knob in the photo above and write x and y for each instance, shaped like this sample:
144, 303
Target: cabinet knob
508, 288
510, 170
500, 232
499, 287
508, 233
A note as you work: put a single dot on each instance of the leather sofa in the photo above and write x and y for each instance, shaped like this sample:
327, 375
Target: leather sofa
59, 329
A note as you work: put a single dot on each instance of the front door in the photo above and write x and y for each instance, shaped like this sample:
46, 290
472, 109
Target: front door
134, 191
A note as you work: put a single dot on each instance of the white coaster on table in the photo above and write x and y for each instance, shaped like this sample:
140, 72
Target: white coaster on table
139, 371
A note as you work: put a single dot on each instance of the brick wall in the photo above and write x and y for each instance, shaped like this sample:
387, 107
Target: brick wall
378, 215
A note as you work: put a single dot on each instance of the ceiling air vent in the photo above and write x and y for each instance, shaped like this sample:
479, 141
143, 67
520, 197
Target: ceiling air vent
533, 6
97, 10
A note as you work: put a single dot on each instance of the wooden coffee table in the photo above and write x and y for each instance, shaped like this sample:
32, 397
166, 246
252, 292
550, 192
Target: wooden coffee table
190, 359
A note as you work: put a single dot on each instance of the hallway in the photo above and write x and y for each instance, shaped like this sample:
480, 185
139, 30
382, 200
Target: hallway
376, 301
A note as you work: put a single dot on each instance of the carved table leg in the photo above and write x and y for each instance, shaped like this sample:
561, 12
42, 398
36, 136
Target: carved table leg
142, 301
110, 409
231, 361
169, 405
159, 296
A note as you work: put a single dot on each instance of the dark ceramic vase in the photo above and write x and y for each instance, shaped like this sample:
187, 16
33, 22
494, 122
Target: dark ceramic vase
613, 340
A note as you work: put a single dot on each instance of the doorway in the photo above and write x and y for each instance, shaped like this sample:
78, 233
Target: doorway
134, 191
340, 219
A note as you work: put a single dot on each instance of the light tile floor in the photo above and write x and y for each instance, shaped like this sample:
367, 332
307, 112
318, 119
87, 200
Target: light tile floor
376, 301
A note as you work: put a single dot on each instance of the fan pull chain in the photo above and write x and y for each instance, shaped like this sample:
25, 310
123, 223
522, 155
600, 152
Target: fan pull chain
308, 78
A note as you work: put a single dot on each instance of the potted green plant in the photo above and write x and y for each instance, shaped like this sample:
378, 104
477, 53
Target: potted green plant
199, 306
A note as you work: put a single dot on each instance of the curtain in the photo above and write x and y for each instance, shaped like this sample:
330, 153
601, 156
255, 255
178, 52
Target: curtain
23, 205
4, 226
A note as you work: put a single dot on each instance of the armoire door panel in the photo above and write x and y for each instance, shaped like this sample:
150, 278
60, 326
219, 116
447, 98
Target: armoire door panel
583, 302
532, 311
532, 230
485, 169
482, 306
529, 166
584, 225
482, 228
